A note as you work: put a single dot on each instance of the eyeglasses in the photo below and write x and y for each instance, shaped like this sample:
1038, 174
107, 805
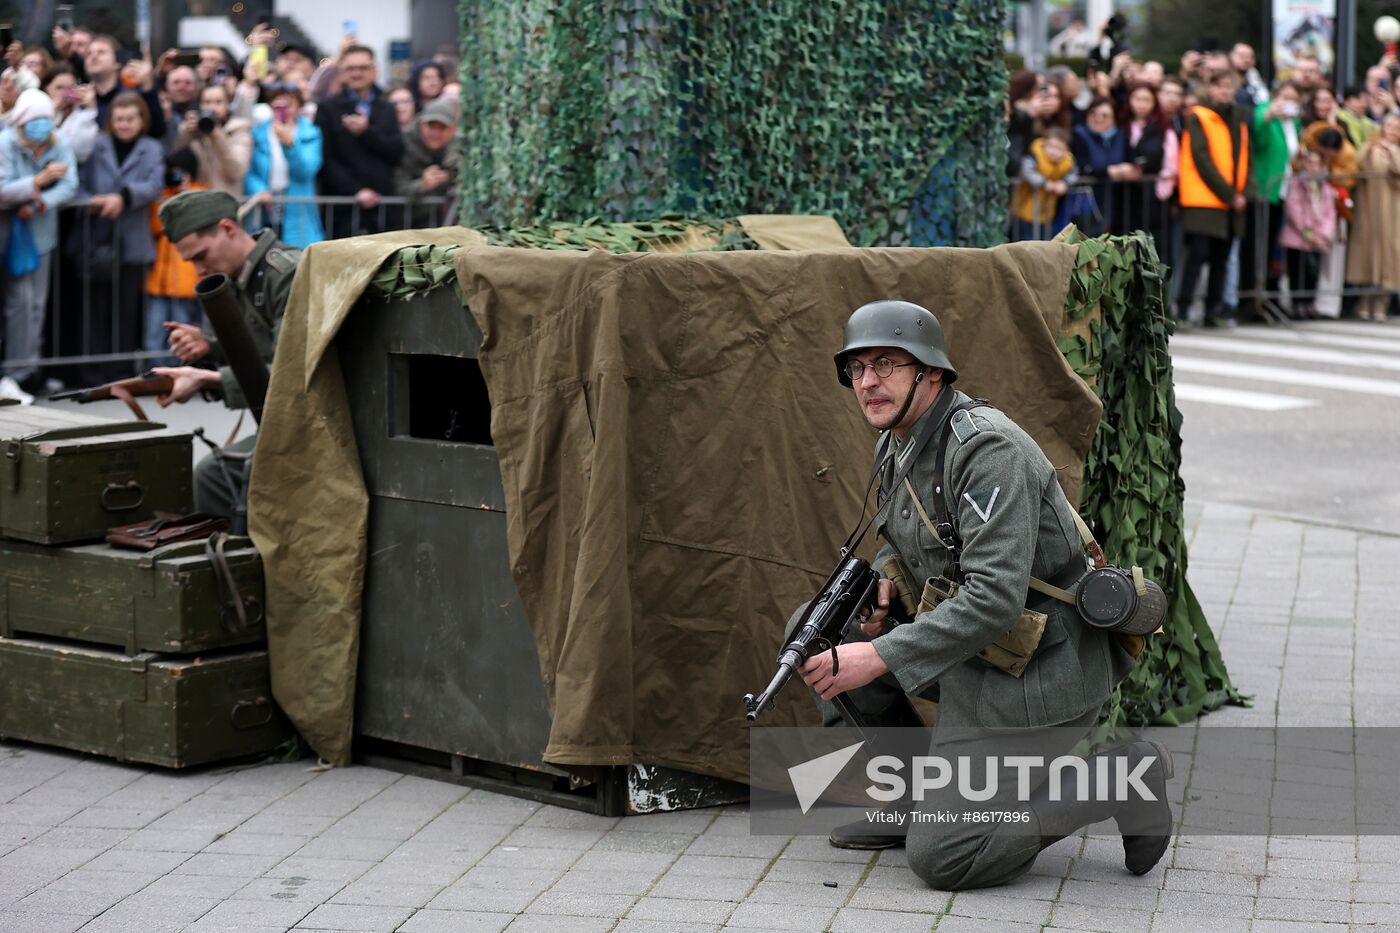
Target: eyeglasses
883, 367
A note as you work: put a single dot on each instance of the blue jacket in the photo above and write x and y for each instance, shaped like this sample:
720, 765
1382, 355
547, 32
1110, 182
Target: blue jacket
142, 175
1093, 154
18, 166
301, 223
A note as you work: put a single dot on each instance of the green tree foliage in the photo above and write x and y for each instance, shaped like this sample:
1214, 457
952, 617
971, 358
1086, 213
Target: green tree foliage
620, 109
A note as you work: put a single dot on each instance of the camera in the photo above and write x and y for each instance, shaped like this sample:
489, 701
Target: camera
208, 122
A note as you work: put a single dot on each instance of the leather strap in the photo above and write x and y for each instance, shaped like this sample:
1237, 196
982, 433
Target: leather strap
1065, 577
938, 415
231, 608
237, 426
135, 406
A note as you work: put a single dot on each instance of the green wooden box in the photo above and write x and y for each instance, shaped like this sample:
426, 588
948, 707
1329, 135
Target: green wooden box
66, 476
174, 712
166, 600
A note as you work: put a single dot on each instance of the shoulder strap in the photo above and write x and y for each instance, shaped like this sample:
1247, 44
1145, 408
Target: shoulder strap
945, 530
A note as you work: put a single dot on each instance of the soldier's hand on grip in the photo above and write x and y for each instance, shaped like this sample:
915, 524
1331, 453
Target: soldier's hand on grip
875, 617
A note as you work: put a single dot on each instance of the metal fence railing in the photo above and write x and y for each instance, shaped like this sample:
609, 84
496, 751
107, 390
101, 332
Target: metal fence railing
1261, 276
95, 317
94, 321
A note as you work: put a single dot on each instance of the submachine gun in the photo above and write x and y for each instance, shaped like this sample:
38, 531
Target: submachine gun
847, 593
845, 596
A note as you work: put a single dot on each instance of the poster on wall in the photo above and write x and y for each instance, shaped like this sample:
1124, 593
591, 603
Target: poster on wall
1302, 28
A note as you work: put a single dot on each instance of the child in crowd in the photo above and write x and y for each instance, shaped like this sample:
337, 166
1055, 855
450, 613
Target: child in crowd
170, 284
1047, 171
1309, 226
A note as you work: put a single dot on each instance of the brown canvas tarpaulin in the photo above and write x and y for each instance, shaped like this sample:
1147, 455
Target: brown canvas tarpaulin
680, 463
307, 506
793, 231
307, 501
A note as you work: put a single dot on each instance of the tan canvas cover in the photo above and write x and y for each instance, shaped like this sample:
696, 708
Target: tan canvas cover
680, 463
307, 506
793, 231
307, 501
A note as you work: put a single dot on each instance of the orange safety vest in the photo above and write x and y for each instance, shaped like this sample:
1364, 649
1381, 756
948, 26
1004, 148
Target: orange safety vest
170, 276
1194, 192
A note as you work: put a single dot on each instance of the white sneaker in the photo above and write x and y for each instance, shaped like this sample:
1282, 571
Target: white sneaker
10, 389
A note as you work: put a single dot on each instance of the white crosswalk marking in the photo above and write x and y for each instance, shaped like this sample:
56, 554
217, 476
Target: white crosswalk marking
1353, 328
1239, 398
1283, 351
1286, 375
1297, 338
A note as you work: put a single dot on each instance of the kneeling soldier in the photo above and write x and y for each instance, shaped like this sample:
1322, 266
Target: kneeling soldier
994, 491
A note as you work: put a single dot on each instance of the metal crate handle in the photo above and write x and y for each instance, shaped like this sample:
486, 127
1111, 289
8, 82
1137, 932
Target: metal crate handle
251, 714
118, 488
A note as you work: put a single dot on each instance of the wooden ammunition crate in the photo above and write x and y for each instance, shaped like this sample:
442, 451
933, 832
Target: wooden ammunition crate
174, 712
166, 600
67, 476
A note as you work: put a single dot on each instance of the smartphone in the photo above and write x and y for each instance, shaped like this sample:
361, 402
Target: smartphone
1383, 84
7, 35
257, 57
63, 17
190, 59
350, 27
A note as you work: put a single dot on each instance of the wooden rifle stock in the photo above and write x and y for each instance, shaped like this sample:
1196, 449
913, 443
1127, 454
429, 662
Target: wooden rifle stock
128, 390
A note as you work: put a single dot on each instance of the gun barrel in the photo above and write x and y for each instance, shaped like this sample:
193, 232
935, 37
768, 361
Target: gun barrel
215, 292
77, 395
753, 707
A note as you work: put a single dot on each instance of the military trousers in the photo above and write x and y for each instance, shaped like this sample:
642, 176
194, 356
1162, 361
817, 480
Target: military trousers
962, 855
221, 486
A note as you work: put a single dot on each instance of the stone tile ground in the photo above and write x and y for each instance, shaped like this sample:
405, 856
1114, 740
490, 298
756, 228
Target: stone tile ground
1306, 618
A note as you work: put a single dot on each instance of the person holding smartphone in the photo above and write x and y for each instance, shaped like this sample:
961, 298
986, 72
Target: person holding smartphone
286, 159
1278, 128
111, 79
363, 146
74, 110
432, 153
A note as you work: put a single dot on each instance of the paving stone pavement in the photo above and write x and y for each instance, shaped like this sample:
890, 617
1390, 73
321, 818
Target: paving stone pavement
1305, 615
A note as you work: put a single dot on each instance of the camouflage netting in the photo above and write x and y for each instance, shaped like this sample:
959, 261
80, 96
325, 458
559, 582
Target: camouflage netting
887, 116
1133, 495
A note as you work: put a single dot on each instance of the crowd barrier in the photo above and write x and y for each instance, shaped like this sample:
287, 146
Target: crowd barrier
86, 321
1264, 279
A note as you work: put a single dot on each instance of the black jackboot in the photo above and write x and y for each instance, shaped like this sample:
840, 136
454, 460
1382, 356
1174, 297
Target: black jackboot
1146, 825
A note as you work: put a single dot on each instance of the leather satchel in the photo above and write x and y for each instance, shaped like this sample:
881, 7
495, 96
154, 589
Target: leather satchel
166, 528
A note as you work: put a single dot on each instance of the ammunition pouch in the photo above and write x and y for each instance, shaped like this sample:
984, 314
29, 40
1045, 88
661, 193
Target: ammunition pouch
1013, 651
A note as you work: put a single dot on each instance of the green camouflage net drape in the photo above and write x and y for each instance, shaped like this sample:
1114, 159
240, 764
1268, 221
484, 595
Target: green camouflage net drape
886, 115
1133, 493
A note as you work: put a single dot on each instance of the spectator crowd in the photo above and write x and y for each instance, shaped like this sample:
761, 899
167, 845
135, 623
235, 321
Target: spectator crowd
1251, 185
314, 149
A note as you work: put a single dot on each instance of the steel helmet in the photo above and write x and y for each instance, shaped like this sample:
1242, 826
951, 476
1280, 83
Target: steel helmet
900, 324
